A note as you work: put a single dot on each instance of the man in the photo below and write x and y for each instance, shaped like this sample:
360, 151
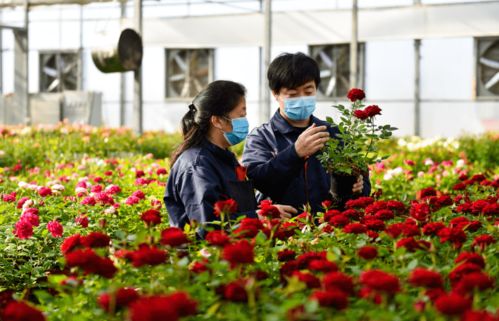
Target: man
281, 155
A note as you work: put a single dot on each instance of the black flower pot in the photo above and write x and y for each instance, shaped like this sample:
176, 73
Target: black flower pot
341, 188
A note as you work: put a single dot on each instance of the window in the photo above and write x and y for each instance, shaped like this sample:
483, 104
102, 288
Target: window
188, 71
487, 67
334, 65
59, 71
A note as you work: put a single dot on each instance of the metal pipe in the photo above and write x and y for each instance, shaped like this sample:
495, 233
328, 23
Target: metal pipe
123, 5
417, 82
265, 58
137, 98
354, 45
26, 60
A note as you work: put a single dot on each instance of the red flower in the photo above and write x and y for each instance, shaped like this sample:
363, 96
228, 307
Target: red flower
472, 281
452, 304
335, 299
461, 270
173, 236
234, 291
380, 281
360, 114
470, 257
361, 202
483, 241
241, 173
433, 228
367, 252
95, 239
478, 316
161, 171
70, 243
198, 267
286, 255
147, 255
55, 228
394, 230
228, 206
305, 259
139, 194
184, 305
9, 198
374, 224
355, 228
322, 266
23, 229
82, 220
426, 278
384, 215
356, 94
412, 245
44, 191
217, 238
153, 308
338, 281
21, 202
339, 220
268, 210
454, 235
122, 298
420, 211
309, 279
151, 217
20, 311
239, 253
372, 110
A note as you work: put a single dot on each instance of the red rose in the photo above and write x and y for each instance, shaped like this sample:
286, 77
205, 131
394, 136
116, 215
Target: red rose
420, 211
367, 252
309, 279
153, 308
356, 94
227, 207
161, 171
267, 209
426, 278
234, 291
198, 267
335, 299
20, 311
23, 229
122, 298
380, 281
217, 238
174, 237
454, 235
184, 305
478, 316
21, 202
305, 259
286, 255
452, 304
384, 215
433, 228
322, 266
412, 245
55, 228
238, 253
139, 194
82, 220
470, 257
147, 255
394, 230
355, 228
339, 220
95, 239
361, 202
151, 217
461, 270
372, 110
474, 281
360, 114
338, 281
483, 241
70, 243
44, 191
374, 224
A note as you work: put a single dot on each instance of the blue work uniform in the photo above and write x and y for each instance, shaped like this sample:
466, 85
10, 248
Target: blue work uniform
200, 177
280, 174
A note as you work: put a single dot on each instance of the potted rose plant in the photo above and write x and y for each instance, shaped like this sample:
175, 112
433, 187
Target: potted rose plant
348, 154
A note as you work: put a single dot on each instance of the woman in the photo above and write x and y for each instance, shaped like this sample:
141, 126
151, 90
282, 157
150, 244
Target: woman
203, 170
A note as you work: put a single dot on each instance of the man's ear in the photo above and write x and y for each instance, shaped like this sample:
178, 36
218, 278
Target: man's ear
276, 95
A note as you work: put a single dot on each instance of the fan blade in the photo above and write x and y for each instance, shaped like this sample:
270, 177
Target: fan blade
325, 58
53, 85
330, 86
50, 71
489, 63
494, 80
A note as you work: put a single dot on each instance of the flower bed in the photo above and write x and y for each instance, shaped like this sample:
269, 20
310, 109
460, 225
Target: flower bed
85, 237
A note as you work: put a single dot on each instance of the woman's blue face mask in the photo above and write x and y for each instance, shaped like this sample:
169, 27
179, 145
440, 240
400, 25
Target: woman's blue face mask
299, 108
240, 129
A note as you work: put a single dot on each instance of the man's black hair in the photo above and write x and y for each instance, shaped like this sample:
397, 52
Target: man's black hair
292, 70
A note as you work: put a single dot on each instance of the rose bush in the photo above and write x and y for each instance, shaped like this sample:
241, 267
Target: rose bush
87, 238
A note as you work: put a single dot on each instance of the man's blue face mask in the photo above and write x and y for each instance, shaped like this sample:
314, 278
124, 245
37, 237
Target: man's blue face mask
240, 129
299, 108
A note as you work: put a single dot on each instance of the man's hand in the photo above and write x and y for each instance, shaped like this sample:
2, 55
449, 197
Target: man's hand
286, 211
311, 140
359, 185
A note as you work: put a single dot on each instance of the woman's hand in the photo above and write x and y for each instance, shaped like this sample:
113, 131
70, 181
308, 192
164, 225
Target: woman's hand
359, 185
286, 211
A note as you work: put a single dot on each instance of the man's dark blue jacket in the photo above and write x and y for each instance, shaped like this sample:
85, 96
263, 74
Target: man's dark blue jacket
279, 173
